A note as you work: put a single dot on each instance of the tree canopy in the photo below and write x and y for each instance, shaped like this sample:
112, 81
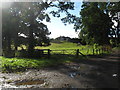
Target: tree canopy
96, 22
22, 24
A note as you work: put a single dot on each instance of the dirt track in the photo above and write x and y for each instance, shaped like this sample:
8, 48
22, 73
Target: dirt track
97, 72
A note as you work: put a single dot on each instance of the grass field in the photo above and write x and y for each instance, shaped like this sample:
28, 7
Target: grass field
63, 45
58, 46
18, 64
84, 49
70, 47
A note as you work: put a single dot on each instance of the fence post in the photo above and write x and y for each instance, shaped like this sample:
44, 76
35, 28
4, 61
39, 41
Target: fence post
102, 51
99, 51
93, 51
49, 53
77, 52
88, 51
63, 51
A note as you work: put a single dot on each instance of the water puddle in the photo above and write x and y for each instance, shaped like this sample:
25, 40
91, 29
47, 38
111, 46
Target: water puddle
30, 82
114, 75
75, 67
24, 83
74, 74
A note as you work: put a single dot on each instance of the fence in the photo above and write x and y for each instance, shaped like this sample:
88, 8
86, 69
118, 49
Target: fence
49, 52
75, 52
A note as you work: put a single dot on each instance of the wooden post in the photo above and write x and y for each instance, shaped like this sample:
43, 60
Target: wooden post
49, 53
93, 51
88, 51
77, 52
63, 51
97, 51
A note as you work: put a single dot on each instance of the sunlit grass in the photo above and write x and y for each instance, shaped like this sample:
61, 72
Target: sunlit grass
60, 46
67, 48
18, 64
21, 64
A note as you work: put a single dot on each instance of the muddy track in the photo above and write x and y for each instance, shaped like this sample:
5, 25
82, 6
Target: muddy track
96, 72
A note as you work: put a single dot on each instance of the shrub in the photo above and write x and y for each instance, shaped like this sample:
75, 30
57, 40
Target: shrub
9, 54
21, 53
25, 54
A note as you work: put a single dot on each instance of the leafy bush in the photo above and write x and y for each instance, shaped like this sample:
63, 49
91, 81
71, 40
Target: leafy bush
96, 46
9, 54
25, 54
21, 53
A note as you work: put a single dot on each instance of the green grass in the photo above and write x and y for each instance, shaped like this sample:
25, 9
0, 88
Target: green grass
84, 49
60, 46
21, 64
65, 46
68, 46
116, 48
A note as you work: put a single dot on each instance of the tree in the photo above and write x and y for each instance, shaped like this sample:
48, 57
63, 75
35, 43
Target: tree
114, 9
95, 24
21, 18
24, 20
8, 36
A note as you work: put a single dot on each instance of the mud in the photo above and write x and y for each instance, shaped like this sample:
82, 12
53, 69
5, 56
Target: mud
93, 73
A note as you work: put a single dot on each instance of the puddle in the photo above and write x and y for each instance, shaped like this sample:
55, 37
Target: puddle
114, 75
24, 84
74, 74
30, 82
75, 67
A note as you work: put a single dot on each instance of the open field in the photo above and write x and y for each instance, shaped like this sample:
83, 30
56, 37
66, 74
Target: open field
69, 55
58, 46
70, 48
62, 45
78, 72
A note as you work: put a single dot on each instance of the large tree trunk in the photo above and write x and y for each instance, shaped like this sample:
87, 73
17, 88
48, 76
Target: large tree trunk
118, 32
31, 42
7, 52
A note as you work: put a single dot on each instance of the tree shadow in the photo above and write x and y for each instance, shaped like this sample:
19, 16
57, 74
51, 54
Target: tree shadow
96, 71
100, 73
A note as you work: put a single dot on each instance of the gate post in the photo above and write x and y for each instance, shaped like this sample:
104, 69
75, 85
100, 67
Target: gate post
48, 53
93, 51
77, 52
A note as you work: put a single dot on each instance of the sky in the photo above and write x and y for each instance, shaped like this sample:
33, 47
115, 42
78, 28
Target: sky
57, 28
